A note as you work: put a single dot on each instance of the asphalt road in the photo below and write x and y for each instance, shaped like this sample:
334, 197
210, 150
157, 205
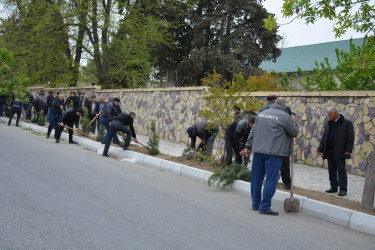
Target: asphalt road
61, 196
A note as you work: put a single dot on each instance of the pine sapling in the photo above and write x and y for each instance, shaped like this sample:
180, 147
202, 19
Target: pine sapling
85, 122
153, 141
41, 119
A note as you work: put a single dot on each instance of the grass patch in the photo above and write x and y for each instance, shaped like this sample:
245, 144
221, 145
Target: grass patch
37, 133
29, 129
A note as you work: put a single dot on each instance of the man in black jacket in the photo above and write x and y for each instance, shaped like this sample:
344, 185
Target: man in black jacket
336, 145
69, 118
93, 111
3, 100
118, 124
39, 105
237, 132
58, 106
206, 133
72, 99
16, 107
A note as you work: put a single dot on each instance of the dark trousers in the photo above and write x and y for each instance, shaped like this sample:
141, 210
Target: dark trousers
285, 170
93, 124
15, 111
61, 129
115, 127
230, 148
54, 119
105, 123
337, 166
269, 166
27, 108
2, 104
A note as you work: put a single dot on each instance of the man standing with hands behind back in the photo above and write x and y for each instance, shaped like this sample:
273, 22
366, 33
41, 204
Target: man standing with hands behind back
336, 145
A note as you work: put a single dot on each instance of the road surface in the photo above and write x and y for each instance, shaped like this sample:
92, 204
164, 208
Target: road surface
61, 196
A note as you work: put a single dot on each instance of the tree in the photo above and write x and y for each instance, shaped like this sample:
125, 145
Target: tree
221, 99
229, 36
36, 34
356, 67
356, 14
9, 83
322, 77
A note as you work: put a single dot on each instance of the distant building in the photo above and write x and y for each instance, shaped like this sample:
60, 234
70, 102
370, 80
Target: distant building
305, 57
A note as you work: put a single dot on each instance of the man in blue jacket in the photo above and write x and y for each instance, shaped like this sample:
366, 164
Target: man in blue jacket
270, 140
58, 106
108, 113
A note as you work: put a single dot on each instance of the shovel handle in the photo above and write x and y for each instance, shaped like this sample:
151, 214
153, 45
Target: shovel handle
292, 170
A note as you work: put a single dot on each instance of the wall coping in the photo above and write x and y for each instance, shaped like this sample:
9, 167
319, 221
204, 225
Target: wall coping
96, 87
152, 89
351, 93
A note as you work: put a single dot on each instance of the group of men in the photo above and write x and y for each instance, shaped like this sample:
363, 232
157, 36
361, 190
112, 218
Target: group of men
269, 137
63, 113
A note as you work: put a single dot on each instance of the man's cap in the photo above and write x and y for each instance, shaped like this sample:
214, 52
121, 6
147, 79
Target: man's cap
80, 110
190, 131
237, 108
93, 96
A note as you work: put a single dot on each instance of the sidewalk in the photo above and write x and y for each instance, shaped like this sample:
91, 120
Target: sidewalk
305, 176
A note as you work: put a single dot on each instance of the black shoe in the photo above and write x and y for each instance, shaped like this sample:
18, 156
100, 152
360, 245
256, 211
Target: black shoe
342, 193
331, 190
125, 148
287, 187
72, 142
17, 125
47, 136
103, 142
255, 208
106, 155
269, 212
57, 141
8, 124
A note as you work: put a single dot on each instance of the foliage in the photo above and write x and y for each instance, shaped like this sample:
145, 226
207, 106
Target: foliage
101, 133
229, 174
10, 84
220, 101
283, 78
322, 77
347, 14
153, 141
263, 82
85, 122
357, 66
228, 35
41, 119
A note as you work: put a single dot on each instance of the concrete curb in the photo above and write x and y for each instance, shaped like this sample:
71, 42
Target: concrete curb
355, 220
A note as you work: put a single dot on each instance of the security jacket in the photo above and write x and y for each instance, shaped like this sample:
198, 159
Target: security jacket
272, 132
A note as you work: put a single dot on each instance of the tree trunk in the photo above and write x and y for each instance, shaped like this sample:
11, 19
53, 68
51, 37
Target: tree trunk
369, 188
79, 45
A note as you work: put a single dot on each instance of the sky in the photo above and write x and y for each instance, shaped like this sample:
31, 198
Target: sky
298, 33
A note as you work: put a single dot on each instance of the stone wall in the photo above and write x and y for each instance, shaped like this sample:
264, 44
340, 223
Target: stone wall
175, 109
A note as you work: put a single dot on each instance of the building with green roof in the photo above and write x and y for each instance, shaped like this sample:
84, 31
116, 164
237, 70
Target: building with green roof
305, 56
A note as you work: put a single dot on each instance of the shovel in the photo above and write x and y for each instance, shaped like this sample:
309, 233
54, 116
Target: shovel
291, 205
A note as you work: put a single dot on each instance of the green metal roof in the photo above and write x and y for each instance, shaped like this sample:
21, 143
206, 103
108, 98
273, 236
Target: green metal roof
304, 56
